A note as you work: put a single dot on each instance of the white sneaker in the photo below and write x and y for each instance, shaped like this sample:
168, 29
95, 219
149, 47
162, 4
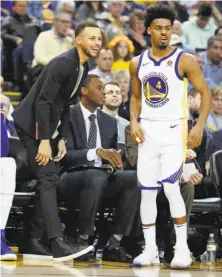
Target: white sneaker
147, 258
181, 258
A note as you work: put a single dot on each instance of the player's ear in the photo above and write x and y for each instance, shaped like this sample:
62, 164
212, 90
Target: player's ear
148, 31
78, 40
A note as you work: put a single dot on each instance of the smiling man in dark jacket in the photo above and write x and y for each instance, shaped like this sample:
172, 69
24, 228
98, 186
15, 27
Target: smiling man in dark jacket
42, 124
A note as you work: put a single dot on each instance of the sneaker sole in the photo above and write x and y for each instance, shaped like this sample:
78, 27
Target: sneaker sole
36, 257
8, 257
152, 264
180, 266
74, 256
156, 263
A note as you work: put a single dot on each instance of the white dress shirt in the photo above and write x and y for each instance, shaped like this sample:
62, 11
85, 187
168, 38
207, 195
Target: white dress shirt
91, 154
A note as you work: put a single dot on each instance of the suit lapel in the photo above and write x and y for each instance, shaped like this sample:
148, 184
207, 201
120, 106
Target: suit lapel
101, 127
81, 125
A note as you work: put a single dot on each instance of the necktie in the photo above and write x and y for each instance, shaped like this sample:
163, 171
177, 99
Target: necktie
91, 143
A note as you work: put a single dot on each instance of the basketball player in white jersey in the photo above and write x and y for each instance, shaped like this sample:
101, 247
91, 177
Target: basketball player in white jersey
159, 99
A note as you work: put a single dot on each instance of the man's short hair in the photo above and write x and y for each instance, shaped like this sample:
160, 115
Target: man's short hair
205, 10
59, 14
62, 3
111, 83
136, 13
88, 79
81, 27
119, 74
103, 48
159, 11
193, 92
212, 39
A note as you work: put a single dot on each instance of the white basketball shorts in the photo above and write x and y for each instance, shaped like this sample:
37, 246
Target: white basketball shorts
161, 156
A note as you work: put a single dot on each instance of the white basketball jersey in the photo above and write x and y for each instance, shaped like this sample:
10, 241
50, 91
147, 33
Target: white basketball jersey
164, 91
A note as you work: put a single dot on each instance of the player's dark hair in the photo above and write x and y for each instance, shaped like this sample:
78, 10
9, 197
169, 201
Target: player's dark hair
205, 10
88, 79
159, 11
81, 27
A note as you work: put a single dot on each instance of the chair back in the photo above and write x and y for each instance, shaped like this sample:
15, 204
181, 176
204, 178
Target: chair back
216, 171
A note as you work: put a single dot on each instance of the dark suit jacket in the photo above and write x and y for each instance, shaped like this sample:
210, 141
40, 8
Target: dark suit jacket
49, 98
77, 137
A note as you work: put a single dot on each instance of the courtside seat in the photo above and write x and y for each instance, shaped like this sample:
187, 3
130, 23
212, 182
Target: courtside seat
207, 213
208, 205
212, 204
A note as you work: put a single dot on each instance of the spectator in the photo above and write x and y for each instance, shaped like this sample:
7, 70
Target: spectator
131, 6
177, 28
6, 110
122, 78
198, 29
137, 30
89, 9
11, 109
52, 43
92, 141
43, 11
181, 11
123, 50
116, 26
7, 187
214, 121
104, 63
212, 60
177, 42
19, 32
113, 100
67, 6
218, 32
199, 59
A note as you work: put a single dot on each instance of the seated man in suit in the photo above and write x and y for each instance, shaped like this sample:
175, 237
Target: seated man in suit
92, 141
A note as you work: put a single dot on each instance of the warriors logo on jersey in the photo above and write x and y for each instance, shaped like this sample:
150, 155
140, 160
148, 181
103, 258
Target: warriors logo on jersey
164, 91
155, 89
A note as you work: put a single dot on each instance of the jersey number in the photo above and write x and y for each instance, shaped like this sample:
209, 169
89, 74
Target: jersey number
158, 85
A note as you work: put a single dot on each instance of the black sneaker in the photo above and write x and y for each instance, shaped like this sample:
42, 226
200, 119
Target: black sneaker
116, 254
88, 256
63, 252
36, 249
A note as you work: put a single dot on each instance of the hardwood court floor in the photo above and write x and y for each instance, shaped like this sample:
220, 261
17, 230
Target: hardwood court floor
35, 268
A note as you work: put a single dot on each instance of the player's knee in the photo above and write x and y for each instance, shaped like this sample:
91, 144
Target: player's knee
171, 191
173, 194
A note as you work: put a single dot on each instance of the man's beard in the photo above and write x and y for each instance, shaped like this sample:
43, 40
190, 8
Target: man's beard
87, 52
162, 47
